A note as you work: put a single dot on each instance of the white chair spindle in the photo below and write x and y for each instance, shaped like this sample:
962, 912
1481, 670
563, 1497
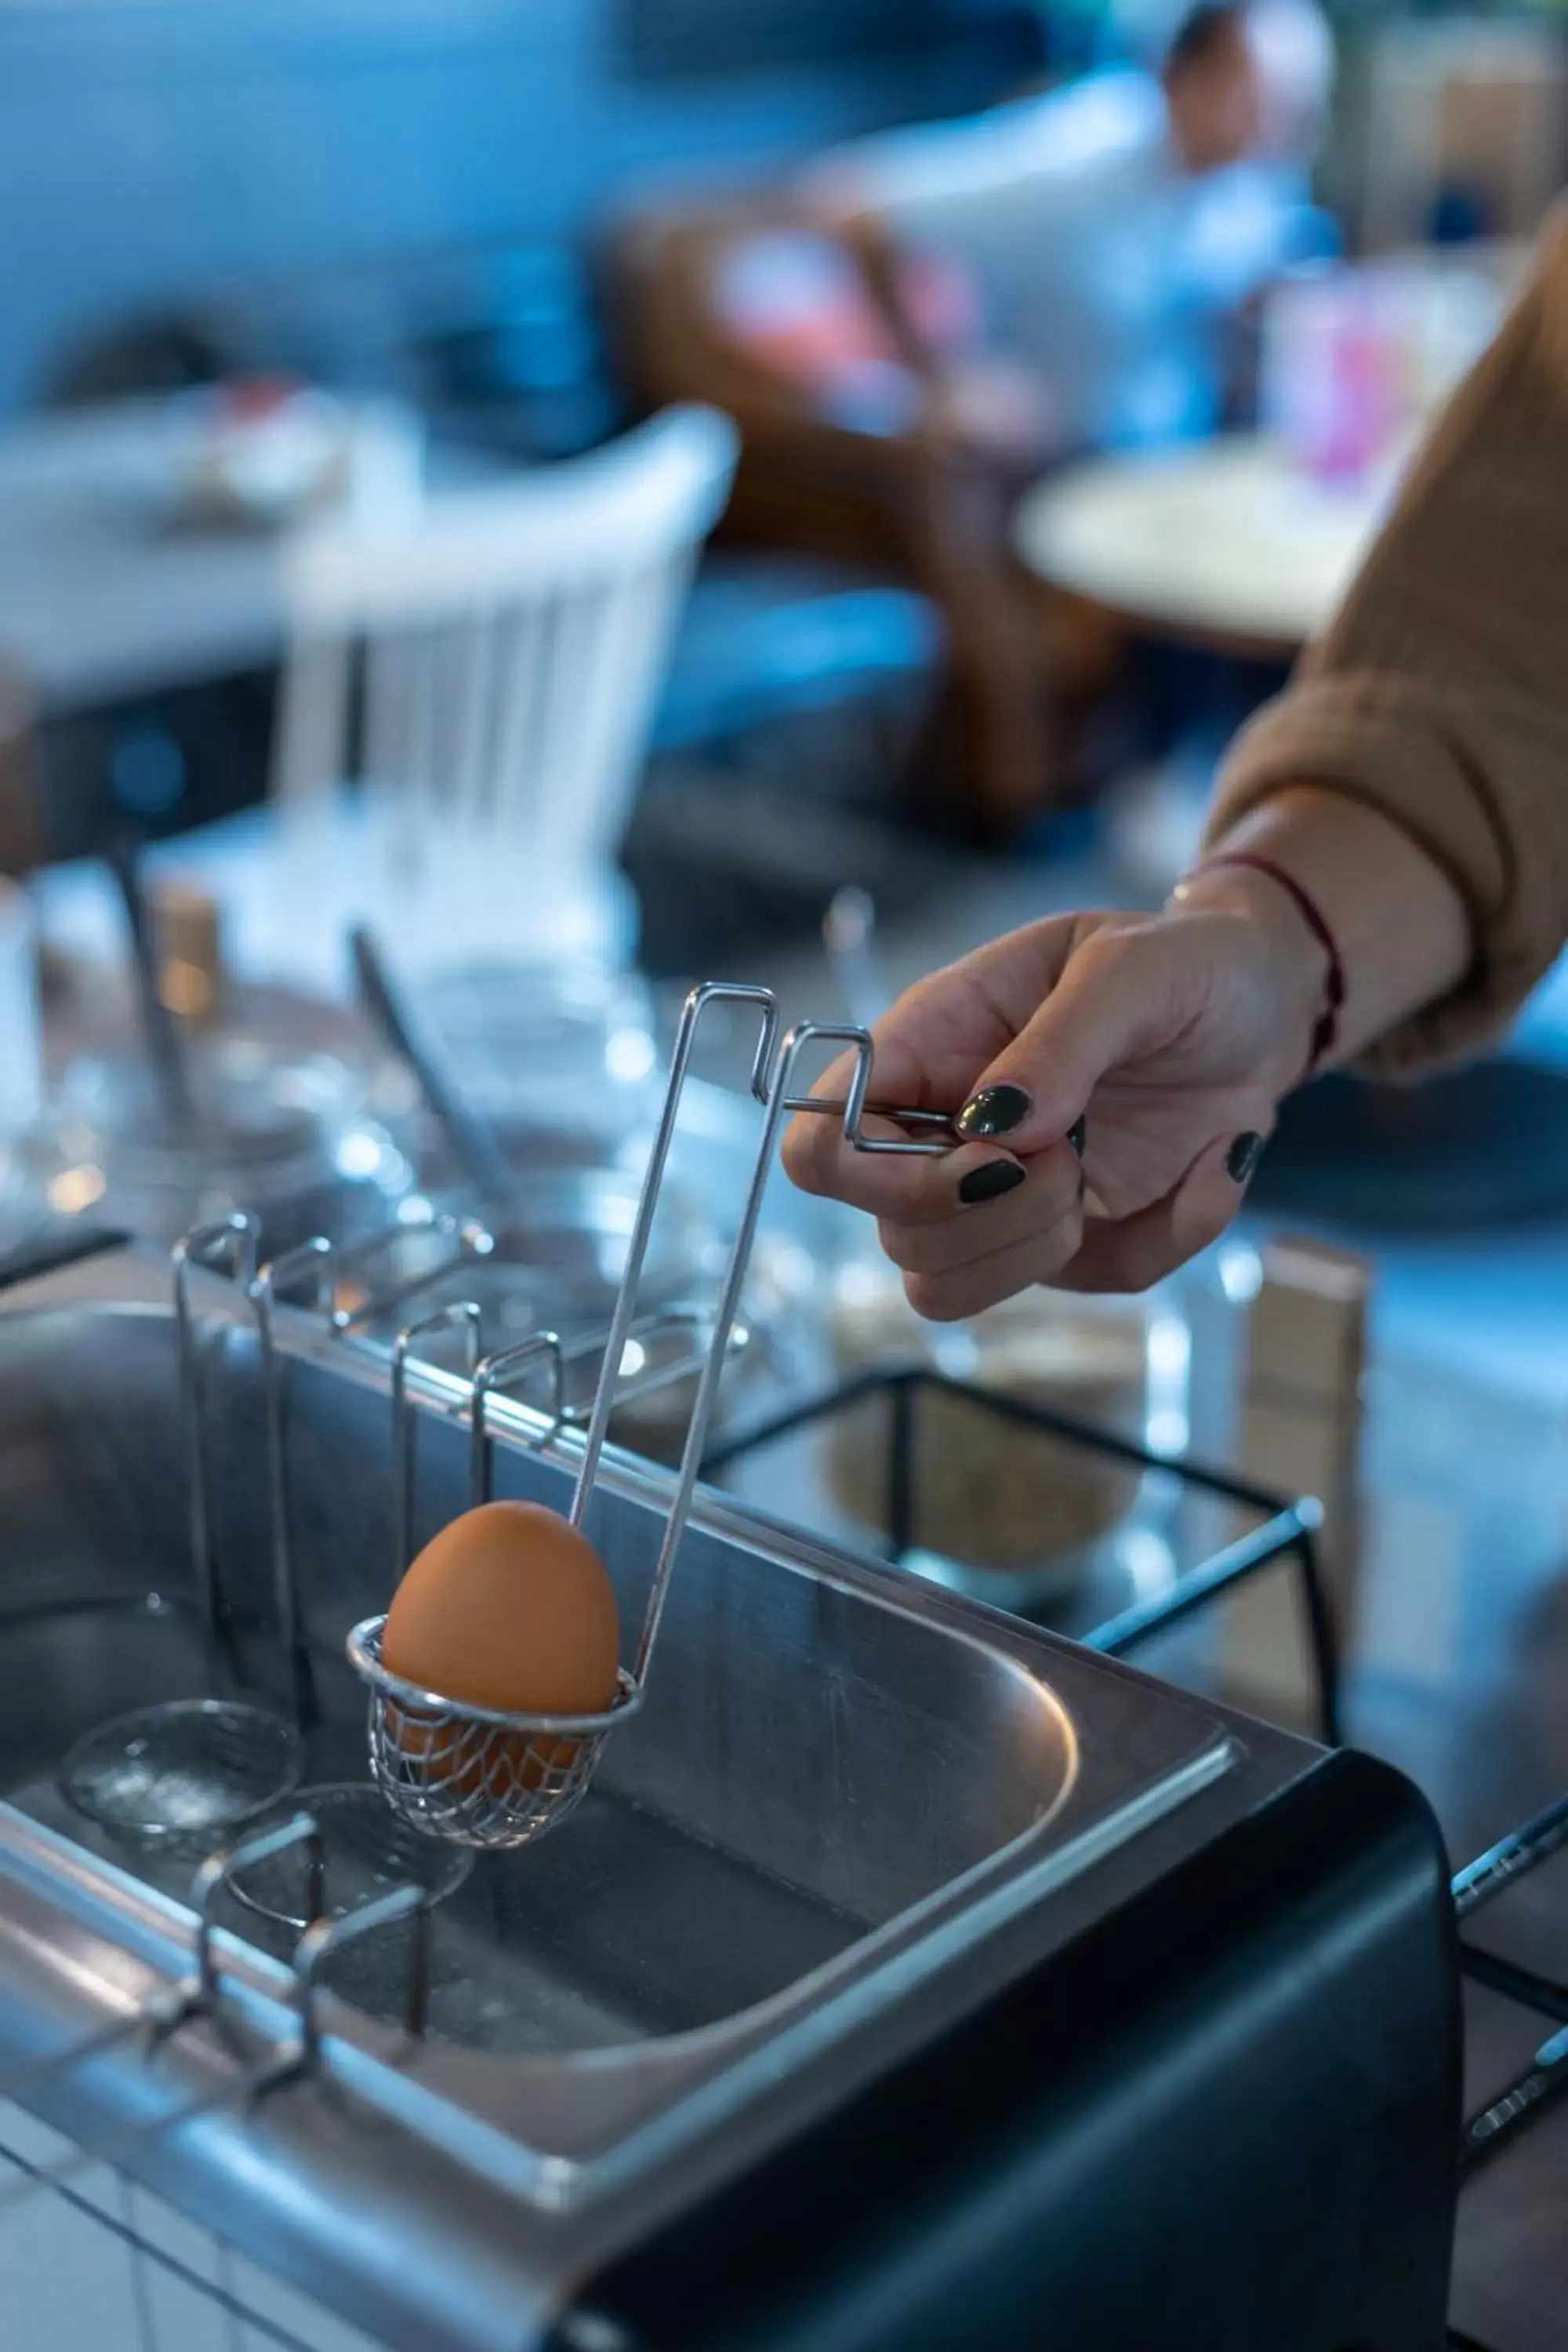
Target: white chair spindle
513, 640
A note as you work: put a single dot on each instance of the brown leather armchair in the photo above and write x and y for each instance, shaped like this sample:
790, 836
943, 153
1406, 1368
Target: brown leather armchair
924, 489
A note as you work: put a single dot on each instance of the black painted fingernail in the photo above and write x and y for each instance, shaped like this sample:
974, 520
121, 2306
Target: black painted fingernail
1077, 1134
989, 1183
995, 1111
1242, 1157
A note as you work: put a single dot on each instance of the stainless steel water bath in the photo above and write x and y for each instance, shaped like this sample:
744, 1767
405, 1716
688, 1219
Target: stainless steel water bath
852, 1812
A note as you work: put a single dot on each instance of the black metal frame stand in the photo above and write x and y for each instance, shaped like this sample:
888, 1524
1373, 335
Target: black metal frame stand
1287, 1533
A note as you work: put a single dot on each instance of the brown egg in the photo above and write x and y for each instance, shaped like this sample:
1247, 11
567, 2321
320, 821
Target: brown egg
508, 1607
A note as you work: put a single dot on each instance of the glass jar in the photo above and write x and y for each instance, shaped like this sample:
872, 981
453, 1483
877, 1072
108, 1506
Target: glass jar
989, 1494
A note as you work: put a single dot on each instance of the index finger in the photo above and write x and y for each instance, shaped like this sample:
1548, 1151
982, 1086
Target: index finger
820, 1159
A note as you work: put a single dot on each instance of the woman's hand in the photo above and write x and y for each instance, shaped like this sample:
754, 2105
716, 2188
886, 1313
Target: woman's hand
1116, 1076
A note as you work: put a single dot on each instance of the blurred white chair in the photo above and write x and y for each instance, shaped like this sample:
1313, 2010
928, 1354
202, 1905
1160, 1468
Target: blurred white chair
495, 654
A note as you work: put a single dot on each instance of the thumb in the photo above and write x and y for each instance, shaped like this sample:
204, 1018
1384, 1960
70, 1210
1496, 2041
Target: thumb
1036, 1089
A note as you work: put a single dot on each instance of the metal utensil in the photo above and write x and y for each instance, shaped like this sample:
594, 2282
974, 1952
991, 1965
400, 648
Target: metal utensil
1512, 1858
1543, 2081
473, 1142
160, 1031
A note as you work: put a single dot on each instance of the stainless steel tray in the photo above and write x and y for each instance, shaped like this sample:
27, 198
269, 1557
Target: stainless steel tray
850, 1801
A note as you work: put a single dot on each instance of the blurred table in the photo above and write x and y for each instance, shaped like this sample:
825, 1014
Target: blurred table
289, 892
1224, 545
109, 587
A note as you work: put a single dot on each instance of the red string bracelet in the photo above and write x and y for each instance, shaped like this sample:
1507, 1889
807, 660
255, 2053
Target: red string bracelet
1326, 1028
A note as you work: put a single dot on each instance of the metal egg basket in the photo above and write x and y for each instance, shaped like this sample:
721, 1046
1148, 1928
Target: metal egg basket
472, 1775
479, 1777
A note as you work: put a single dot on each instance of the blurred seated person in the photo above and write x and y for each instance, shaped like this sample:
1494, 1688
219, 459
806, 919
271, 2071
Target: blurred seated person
922, 320
1069, 271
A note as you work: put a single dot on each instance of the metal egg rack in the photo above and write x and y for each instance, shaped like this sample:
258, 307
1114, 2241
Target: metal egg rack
201, 1995
193, 1769
457, 1777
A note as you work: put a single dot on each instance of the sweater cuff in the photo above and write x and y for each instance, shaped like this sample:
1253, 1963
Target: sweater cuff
1382, 742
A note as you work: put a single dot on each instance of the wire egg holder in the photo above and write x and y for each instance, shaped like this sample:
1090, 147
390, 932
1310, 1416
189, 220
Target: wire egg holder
488, 1778
183, 1745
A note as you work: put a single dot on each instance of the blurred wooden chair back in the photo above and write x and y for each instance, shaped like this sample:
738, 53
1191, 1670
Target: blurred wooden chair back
806, 478
496, 652
917, 495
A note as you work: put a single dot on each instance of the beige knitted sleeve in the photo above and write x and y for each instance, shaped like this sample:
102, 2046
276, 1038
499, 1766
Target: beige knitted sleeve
1439, 694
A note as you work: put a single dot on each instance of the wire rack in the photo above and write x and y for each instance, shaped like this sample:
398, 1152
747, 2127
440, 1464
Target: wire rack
203, 1993
1284, 1541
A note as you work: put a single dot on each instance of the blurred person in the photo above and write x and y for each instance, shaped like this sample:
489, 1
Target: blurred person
1385, 878
1097, 244
922, 323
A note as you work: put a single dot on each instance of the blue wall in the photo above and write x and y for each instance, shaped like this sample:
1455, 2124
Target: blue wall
146, 153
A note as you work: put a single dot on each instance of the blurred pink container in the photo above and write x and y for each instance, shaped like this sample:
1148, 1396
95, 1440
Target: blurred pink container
1338, 387
1356, 360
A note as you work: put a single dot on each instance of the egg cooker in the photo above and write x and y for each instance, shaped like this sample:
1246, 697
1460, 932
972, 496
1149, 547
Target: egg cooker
897, 1976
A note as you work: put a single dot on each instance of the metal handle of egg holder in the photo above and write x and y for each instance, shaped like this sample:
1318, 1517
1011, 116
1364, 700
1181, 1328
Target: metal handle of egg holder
773, 1070
491, 1375
482, 1777
200, 1994
857, 1106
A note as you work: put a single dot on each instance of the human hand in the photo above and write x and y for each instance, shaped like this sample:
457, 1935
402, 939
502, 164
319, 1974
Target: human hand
1116, 1076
